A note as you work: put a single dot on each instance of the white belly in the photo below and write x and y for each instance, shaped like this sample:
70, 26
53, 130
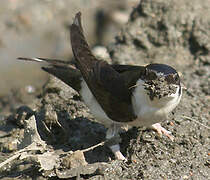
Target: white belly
148, 112
151, 112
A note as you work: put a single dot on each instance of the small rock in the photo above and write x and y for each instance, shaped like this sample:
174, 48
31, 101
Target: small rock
74, 160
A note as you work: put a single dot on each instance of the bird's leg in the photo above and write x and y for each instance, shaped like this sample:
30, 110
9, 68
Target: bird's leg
112, 133
160, 130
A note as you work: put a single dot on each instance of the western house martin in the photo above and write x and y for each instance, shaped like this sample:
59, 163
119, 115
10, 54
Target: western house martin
118, 96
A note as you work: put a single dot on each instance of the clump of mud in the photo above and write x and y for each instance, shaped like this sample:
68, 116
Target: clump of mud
159, 88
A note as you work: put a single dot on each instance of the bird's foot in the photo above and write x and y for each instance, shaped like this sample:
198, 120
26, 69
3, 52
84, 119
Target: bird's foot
160, 130
116, 151
113, 140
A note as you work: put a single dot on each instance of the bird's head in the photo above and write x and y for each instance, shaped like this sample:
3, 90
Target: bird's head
162, 83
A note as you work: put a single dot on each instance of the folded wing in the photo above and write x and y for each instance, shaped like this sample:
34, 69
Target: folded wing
106, 84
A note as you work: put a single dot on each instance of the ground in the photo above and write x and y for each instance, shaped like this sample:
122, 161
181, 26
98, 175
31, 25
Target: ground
175, 33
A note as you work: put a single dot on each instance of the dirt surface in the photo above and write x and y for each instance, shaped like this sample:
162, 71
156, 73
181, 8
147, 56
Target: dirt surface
172, 32
39, 28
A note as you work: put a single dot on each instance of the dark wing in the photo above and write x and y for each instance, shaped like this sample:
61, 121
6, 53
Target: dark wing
72, 76
121, 68
106, 84
130, 73
60, 69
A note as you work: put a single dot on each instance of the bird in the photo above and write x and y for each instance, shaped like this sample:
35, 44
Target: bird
117, 95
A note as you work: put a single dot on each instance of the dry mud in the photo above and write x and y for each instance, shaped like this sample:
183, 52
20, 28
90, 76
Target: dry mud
172, 32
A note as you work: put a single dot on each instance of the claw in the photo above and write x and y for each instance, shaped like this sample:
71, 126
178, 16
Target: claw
162, 131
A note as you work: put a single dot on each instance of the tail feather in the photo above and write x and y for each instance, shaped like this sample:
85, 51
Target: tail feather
44, 60
63, 70
70, 76
30, 59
